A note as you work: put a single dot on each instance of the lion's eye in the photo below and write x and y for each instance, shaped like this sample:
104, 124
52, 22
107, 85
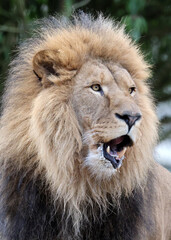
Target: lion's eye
96, 87
132, 90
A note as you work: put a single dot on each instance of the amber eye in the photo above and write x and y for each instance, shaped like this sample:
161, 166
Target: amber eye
96, 87
132, 90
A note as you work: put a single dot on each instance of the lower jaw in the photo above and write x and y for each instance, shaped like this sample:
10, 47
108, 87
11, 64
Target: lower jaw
112, 164
116, 163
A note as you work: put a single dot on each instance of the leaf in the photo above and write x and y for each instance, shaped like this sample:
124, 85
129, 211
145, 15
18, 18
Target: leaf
135, 6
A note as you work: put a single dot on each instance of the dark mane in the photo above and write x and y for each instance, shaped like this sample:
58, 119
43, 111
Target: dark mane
29, 213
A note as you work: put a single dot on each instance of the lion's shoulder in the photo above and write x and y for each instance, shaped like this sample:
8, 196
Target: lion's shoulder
163, 199
163, 177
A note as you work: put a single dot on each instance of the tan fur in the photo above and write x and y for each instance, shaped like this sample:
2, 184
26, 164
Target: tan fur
59, 120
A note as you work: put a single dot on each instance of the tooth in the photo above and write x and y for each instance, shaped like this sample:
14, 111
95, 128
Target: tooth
108, 149
121, 154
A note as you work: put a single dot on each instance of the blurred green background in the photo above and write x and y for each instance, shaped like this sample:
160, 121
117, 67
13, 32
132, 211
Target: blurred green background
147, 21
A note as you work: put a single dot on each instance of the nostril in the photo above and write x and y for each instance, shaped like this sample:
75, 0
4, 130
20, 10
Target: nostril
129, 119
125, 117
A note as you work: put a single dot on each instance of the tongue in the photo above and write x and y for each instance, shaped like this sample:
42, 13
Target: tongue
116, 141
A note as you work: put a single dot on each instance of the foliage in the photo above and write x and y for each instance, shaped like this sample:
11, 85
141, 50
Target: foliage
148, 22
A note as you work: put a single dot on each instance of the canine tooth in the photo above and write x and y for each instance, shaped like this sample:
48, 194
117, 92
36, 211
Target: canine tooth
121, 154
108, 149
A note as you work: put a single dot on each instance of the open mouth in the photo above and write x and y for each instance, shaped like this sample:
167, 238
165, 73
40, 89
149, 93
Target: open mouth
115, 149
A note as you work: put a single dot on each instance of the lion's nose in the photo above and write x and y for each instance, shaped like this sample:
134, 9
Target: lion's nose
129, 118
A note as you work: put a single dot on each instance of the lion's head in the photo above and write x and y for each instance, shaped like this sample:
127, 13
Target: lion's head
78, 106
106, 106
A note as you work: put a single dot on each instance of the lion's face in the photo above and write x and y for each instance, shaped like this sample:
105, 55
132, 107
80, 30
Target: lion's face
105, 100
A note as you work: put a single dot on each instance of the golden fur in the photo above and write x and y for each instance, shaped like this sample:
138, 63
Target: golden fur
54, 123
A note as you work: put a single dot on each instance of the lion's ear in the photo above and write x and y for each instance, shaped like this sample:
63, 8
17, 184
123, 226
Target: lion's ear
49, 67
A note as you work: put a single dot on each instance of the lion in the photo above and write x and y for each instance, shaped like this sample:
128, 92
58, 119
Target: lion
78, 129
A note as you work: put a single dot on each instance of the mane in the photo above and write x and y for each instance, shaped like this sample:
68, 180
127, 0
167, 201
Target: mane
40, 132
